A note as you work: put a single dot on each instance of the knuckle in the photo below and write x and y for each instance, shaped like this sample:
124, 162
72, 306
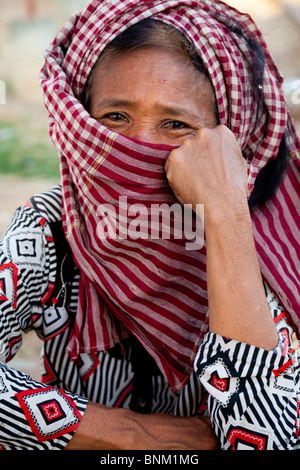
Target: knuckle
174, 157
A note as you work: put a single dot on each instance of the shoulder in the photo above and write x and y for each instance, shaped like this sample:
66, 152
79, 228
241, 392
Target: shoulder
28, 241
38, 213
28, 260
47, 204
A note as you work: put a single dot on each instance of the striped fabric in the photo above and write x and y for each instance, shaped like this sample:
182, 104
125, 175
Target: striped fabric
253, 393
24, 426
276, 230
156, 290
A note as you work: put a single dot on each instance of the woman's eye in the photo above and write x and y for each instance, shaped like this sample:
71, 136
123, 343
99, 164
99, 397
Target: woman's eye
174, 125
114, 117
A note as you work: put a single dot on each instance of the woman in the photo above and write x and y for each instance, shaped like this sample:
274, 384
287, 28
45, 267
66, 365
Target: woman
158, 103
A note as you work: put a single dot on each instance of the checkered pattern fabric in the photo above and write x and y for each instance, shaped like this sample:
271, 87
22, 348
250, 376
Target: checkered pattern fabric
118, 281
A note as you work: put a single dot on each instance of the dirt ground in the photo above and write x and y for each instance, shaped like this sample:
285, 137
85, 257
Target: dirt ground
282, 33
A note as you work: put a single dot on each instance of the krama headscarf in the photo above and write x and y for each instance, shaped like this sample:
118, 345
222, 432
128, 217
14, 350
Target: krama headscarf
155, 290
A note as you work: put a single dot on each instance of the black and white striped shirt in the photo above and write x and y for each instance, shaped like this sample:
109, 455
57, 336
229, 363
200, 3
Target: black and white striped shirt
250, 394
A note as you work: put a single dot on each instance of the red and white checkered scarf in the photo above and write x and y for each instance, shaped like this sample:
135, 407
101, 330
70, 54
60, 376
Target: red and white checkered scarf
156, 289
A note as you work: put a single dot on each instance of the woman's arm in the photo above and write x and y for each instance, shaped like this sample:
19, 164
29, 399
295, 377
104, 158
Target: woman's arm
246, 363
106, 428
210, 170
237, 302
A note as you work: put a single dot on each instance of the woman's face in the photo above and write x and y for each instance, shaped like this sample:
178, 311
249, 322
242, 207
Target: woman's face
152, 95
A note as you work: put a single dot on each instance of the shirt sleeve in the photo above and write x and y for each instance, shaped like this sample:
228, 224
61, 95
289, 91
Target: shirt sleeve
32, 415
253, 393
27, 274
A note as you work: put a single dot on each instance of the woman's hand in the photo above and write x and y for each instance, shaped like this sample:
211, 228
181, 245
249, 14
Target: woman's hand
105, 428
209, 169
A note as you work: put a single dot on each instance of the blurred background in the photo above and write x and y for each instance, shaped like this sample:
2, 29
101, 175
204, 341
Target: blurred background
28, 161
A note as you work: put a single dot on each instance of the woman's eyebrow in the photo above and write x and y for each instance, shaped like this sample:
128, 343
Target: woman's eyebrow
112, 103
175, 110
171, 110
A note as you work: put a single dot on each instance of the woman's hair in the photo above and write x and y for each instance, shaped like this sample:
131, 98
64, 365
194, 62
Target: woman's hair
151, 33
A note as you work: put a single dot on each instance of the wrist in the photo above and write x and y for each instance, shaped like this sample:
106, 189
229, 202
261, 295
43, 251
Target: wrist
104, 428
226, 212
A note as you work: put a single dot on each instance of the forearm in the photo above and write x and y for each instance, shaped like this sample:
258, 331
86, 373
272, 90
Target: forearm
103, 428
238, 308
106, 428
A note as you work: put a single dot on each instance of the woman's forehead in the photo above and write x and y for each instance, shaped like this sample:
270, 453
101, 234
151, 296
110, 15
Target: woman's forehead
154, 75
